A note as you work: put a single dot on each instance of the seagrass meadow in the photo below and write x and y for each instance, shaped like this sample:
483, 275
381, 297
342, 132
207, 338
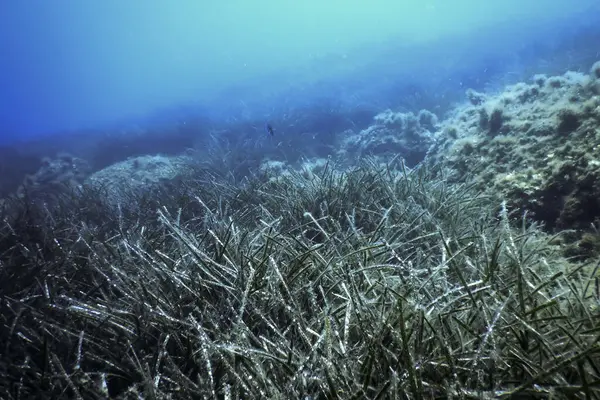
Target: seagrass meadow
375, 281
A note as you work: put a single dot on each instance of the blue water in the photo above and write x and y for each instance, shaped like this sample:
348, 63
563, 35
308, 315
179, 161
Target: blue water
104, 68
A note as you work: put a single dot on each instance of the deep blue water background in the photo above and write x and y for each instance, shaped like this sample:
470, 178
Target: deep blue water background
77, 68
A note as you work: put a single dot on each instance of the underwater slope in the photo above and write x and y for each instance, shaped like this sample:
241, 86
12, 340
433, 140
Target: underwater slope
168, 277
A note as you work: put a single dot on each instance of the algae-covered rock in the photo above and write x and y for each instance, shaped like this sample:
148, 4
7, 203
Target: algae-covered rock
137, 175
393, 134
535, 145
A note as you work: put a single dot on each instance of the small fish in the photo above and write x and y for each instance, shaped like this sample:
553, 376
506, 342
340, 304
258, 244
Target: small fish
270, 129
